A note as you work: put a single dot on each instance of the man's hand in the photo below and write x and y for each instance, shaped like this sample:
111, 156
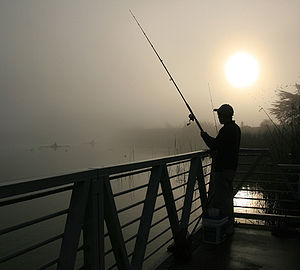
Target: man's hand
191, 118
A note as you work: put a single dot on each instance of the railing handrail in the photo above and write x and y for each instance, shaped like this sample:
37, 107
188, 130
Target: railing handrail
289, 166
13, 188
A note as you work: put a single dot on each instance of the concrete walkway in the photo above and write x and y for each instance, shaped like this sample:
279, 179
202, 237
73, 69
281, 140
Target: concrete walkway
247, 249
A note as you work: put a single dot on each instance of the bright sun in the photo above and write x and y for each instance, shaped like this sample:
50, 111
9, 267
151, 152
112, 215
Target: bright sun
242, 70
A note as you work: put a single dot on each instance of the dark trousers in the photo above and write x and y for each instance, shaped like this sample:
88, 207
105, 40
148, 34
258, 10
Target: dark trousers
221, 193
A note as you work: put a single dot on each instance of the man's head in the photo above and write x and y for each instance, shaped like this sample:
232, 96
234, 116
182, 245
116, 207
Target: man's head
225, 113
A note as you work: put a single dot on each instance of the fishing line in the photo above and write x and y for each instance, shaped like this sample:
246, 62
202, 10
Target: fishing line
212, 106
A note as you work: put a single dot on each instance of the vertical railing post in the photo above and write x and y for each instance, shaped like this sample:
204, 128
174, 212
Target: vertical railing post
194, 167
146, 218
202, 189
169, 201
93, 229
73, 225
298, 197
114, 227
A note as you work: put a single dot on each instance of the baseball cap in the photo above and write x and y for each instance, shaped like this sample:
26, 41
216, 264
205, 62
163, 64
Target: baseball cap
225, 109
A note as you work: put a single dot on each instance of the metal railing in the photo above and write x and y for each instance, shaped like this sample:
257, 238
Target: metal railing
115, 217
266, 193
120, 217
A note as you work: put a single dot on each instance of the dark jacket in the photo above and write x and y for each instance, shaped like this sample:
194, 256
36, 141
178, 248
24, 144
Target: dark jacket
226, 145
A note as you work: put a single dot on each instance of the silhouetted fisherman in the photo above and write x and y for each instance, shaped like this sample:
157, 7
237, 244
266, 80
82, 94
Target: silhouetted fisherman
226, 149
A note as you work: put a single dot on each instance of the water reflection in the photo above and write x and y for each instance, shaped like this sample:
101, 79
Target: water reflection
251, 202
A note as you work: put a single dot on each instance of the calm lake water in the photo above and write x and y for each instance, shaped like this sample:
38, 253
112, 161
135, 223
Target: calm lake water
23, 162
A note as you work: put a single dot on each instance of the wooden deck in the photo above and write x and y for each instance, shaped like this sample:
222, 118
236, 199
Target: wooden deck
247, 249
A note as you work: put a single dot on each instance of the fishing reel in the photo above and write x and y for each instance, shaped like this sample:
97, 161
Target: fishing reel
191, 118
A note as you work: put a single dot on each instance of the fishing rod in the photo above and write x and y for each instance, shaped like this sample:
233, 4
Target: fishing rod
212, 106
192, 116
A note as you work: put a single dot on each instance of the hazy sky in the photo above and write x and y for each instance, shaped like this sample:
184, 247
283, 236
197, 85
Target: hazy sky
81, 66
